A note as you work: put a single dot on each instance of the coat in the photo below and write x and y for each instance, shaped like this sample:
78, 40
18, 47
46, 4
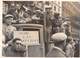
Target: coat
56, 52
9, 52
69, 50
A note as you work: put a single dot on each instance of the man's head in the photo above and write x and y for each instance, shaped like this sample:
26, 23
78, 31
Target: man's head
59, 39
18, 45
66, 24
48, 9
56, 15
27, 13
38, 13
8, 19
70, 40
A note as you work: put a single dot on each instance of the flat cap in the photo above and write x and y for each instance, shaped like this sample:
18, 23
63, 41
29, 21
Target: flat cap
38, 12
59, 37
9, 15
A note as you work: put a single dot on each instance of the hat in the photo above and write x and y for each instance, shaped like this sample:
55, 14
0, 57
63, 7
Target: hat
9, 15
26, 8
59, 37
34, 17
66, 23
38, 12
48, 7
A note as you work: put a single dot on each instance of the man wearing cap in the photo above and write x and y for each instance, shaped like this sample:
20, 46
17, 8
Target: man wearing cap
66, 27
8, 28
26, 16
37, 17
59, 44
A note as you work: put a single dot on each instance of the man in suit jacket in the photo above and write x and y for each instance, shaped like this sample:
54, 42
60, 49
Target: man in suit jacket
59, 44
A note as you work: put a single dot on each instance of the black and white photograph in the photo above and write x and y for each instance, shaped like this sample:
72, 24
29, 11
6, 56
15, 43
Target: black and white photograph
40, 29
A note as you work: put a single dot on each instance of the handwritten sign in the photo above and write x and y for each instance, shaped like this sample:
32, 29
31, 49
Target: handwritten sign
28, 37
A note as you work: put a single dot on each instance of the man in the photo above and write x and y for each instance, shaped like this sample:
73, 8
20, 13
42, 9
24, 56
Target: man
8, 29
56, 23
15, 48
66, 28
27, 16
59, 44
70, 47
37, 17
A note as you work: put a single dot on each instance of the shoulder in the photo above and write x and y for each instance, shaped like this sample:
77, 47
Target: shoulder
12, 27
55, 53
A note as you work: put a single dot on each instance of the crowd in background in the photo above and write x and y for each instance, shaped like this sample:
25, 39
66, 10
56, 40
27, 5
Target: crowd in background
27, 13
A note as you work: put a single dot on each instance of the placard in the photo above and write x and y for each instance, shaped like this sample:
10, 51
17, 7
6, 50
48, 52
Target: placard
28, 37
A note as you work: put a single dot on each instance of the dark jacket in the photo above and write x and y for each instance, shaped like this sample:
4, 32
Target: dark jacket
9, 52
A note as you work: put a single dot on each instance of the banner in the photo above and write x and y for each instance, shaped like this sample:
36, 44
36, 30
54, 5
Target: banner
28, 37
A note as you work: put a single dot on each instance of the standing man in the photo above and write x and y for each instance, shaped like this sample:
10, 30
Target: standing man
59, 44
8, 29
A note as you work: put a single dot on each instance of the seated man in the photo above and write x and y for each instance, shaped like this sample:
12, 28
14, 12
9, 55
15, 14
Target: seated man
15, 48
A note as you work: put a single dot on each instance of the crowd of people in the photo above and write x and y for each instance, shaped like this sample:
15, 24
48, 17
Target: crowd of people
24, 13
63, 46
58, 32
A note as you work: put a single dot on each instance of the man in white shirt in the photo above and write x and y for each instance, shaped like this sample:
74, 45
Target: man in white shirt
8, 29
